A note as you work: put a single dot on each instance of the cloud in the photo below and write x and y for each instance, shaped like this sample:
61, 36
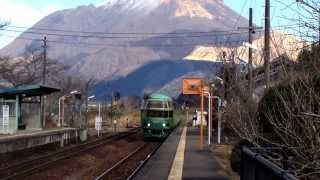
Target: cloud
21, 14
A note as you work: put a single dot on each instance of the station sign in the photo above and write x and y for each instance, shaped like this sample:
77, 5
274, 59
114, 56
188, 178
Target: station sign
191, 86
98, 123
5, 115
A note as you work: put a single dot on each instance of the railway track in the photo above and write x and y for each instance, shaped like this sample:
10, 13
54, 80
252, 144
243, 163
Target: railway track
29, 167
130, 165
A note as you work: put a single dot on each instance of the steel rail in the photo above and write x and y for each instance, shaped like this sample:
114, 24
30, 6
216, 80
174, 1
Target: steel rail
123, 160
32, 166
108, 171
142, 163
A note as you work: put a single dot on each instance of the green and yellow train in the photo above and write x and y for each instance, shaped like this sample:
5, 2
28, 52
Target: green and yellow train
157, 116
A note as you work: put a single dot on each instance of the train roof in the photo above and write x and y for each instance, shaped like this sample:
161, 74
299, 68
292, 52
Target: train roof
159, 96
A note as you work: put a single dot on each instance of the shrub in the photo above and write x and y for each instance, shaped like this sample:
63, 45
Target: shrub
235, 158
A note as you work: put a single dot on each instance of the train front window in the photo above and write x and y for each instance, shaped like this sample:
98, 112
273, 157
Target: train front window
158, 114
154, 104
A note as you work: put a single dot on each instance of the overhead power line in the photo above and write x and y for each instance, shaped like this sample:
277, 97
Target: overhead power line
237, 21
220, 42
120, 37
164, 45
41, 29
119, 33
140, 35
217, 42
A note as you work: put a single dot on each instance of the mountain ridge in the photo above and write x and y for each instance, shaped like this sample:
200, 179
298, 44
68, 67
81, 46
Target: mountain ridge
113, 58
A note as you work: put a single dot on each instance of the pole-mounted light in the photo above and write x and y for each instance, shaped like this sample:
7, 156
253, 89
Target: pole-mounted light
75, 92
91, 97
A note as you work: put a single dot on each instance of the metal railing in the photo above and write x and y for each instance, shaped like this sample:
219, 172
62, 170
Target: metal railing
255, 167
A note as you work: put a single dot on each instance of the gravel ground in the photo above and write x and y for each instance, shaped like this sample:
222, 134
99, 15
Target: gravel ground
223, 153
27, 154
91, 164
11, 158
127, 168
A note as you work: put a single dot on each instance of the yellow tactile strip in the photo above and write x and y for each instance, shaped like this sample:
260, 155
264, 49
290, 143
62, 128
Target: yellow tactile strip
177, 166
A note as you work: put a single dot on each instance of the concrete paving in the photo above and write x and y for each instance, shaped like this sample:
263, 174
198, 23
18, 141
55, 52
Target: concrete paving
200, 165
159, 165
197, 165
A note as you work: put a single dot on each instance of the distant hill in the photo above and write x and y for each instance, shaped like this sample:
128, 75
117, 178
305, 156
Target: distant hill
158, 76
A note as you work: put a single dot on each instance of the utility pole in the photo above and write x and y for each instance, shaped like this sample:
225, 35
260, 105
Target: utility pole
44, 71
43, 114
250, 51
267, 44
252, 30
224, 76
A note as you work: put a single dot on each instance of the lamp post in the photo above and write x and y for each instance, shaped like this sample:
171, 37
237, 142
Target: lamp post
218, 110
219, 121
61, 107
75, 92
91, 97
98, 119
87, 110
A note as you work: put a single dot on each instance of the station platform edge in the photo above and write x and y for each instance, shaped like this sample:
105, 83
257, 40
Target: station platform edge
180, 158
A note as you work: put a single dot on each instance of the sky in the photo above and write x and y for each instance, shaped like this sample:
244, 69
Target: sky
27, 12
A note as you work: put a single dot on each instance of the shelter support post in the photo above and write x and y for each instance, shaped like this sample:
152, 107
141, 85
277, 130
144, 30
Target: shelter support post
17, 111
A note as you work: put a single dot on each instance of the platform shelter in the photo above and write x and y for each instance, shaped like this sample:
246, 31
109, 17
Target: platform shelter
20, 107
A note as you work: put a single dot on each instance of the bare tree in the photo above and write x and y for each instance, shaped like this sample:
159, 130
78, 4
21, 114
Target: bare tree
27, 69
84, 87
294, 123
286, 119
305, 23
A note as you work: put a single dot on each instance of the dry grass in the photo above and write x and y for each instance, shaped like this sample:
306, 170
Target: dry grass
223, 153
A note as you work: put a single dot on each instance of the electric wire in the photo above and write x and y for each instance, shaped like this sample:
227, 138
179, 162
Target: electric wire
119, 37
118, 33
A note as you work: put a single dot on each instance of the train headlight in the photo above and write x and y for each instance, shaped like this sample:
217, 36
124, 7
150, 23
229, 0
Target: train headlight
148, 124
163, 124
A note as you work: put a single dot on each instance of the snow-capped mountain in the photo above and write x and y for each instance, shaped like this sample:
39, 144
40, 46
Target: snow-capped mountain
131, 4
153, 27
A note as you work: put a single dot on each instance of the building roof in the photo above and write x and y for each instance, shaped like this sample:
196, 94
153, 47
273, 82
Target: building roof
27, 91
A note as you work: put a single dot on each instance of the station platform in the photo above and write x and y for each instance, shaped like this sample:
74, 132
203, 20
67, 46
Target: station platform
180, 158
31, 138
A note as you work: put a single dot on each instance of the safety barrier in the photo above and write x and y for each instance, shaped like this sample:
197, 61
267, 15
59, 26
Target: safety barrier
255, 167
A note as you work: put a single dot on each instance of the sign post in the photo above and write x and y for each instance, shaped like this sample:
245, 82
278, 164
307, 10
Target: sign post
201, 125
187, 114
195, 86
